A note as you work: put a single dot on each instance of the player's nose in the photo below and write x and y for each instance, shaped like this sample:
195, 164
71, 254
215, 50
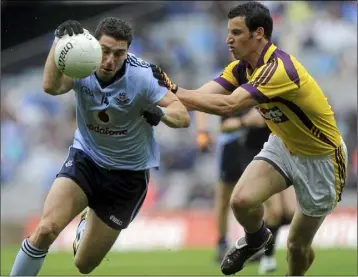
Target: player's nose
229, 40
109, 62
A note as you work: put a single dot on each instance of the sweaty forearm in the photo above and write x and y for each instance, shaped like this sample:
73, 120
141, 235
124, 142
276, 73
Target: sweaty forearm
52, 77
176, 116
208, 103
187, 105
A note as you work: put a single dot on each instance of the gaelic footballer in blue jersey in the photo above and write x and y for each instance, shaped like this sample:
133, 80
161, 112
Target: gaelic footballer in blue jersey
107, 168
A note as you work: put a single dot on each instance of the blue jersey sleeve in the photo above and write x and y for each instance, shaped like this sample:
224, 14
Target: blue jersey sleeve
155, 92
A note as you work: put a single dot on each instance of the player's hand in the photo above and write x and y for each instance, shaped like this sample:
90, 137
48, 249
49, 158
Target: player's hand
163, 79
153, 115
231, 125
203, 141
72, 27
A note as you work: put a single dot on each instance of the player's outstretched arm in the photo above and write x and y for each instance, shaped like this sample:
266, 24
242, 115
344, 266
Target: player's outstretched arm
225, 105
54, 81
210, 87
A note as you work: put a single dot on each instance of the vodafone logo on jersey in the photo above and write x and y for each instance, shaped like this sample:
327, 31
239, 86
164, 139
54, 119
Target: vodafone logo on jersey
106, 131
103, 118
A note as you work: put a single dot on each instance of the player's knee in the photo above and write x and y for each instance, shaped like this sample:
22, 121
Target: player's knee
241, 201
83, 266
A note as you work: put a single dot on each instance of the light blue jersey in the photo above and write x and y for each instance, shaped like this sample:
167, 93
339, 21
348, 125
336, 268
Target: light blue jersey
110, 128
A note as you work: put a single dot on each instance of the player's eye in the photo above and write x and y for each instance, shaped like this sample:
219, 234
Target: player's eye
119, 53
105, 51
236, 32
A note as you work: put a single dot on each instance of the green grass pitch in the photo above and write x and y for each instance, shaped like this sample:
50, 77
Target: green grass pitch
183, 262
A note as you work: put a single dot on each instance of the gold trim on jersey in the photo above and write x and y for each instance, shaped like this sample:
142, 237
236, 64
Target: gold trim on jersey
340, 171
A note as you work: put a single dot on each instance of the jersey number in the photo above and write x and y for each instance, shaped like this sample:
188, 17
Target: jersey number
104, 100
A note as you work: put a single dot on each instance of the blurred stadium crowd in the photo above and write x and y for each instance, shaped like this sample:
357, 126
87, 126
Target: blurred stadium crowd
187, 39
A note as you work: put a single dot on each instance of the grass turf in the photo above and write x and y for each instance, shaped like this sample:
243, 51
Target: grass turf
183, 262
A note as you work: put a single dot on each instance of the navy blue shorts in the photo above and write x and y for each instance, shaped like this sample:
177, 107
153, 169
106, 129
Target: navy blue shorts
234, 157
116, 196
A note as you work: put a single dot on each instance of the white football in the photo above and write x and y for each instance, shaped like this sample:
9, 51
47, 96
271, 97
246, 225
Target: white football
78, 56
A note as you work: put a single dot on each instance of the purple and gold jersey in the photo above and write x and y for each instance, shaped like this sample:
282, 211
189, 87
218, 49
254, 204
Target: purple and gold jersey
290, 100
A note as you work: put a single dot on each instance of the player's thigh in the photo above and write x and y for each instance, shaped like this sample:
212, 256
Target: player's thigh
98, 238
70, 193
64, 201
302, 230
259, 182
273, 209
288, 200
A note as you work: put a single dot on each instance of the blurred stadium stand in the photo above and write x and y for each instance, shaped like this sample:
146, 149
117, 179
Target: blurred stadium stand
188, 41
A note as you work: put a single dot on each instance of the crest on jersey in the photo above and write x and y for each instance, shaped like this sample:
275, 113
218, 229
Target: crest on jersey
122, 98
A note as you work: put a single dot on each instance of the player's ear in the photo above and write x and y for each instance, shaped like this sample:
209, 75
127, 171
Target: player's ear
259, 33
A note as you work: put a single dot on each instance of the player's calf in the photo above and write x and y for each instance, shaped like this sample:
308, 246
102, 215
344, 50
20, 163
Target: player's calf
300, 257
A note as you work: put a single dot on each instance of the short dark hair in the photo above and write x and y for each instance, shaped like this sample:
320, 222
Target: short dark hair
114, 27
256, 15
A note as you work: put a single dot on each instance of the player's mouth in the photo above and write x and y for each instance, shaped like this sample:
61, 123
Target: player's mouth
107, 70
231, 48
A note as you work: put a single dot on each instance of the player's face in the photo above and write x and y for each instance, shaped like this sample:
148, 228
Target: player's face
114, 54
241, 43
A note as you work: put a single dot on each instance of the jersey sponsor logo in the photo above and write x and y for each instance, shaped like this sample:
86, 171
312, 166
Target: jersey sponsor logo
106, 131
122, 99
274, 114
103, 116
